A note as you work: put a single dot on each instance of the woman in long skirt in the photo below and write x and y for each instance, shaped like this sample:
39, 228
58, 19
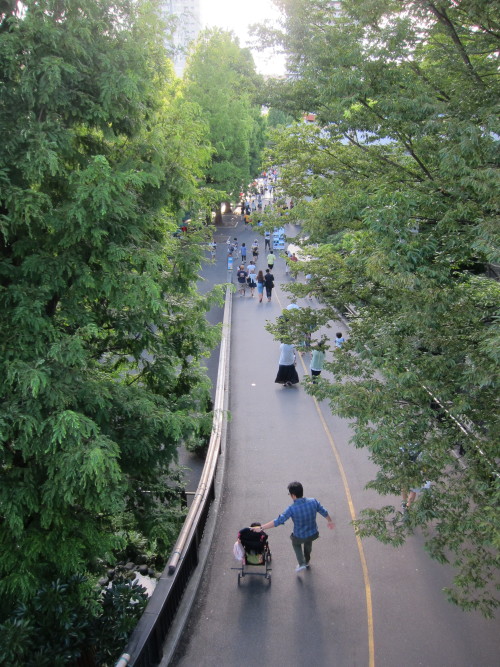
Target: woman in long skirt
287, 373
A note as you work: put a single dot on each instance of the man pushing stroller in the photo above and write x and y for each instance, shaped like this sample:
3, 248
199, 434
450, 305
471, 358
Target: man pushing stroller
303, 512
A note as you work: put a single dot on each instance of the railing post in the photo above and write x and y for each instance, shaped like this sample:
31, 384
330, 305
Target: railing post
123, 661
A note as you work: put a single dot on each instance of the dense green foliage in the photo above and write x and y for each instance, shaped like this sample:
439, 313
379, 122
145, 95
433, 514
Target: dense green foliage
101, 326
65, 621
276, 118
221, 78
401, 167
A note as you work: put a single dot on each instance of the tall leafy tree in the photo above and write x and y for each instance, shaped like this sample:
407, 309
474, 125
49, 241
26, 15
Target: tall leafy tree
221, 78
101, 327
276, 117
401, 167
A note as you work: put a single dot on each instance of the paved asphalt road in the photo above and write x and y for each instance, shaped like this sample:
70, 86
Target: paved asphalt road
360, 604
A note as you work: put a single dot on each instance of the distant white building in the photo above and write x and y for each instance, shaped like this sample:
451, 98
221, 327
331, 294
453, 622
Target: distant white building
188, 25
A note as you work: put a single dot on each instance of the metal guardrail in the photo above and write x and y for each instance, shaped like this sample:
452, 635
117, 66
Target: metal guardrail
145, 647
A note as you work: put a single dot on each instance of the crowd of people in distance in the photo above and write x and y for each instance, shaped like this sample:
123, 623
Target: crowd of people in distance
261, 281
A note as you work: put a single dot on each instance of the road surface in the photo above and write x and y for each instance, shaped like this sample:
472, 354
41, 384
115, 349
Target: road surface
361, 604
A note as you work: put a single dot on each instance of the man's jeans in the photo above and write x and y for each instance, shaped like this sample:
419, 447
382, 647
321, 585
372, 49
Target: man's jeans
303, 557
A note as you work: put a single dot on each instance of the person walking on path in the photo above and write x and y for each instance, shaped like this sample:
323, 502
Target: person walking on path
339, 339
308, 282
267, 240
269, 284
243, 252
287, 262
292, 257
411, 456
270, 260
303, 512
242, 278
255, 251
287, 373
252, 277
411, 497
260, 285
317, 360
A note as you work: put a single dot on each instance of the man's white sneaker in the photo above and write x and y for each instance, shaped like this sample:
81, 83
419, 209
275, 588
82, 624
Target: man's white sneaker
299, 568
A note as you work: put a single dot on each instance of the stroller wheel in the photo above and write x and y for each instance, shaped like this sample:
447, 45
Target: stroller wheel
268, 557
268, 577
239, 578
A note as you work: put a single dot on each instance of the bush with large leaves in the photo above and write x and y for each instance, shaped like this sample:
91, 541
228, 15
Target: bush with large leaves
68, 621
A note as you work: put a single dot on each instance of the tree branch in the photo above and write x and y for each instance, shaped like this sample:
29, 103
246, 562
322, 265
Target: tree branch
383, 158
406, 142
418, 72
450, 28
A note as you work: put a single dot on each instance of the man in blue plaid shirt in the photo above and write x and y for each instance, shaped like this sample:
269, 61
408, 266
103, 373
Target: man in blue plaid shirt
305, 529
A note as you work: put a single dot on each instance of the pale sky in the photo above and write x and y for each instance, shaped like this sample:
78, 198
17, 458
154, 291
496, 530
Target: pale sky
237, 15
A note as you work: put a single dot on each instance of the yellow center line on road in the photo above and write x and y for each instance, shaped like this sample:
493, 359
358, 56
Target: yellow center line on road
361, 551
347, 491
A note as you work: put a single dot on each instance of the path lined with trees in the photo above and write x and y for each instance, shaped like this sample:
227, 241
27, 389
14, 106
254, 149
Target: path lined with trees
396, 183
388, 613
103, 331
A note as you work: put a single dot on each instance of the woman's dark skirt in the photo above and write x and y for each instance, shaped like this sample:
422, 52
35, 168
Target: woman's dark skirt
287, 375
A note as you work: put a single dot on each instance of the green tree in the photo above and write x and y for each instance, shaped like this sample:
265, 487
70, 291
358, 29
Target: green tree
402, 169
101, 327
276, 118
221, 78
66, 621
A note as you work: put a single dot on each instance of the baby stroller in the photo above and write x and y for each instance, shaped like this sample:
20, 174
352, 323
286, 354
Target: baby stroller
256, 553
